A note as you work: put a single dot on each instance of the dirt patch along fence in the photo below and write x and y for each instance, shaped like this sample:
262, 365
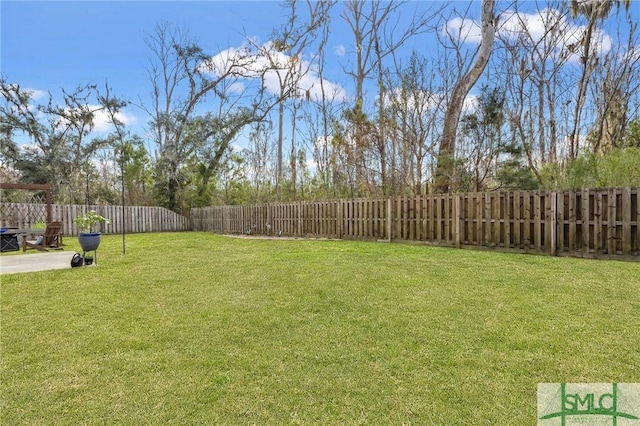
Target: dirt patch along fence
136, 218
582, 223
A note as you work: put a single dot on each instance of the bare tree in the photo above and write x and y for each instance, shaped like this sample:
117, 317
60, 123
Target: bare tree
486, 142
616, 81
377, 35
62, 143
184, 77
414, 110
594, 12
446, 154
532, 66
285, 59
257, 158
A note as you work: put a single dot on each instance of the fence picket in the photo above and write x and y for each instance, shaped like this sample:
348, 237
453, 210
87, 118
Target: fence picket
611, 221
626, 221
583, 223
137, 218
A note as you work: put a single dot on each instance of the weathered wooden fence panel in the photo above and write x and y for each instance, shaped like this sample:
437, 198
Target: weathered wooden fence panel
581, 223
136, 218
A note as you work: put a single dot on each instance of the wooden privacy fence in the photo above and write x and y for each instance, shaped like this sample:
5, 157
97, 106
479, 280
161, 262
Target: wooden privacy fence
584, 223
136, 218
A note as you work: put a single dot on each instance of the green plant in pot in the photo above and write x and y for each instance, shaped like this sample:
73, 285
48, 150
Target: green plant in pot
88, 237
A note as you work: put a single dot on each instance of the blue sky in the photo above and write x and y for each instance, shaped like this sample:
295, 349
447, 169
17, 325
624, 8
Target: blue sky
49, 45
46, 45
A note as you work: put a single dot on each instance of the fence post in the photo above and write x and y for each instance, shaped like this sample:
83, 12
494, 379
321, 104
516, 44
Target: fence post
269, 225
637, 219
389, 219
585, 221
456, 220
611, 222
626, 221
553, 216
339, 218
222, 219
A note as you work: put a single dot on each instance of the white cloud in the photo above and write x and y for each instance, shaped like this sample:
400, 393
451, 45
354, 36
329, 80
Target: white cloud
546, 22
571, 42
566, 36
311, 165
323, 142
35, 93
632, 55
234, 61
465, 30
470, 104
30, 148
312, 86
550, 22
102, 121
275, 68
339, 50
513, 23
236, 87
416, 100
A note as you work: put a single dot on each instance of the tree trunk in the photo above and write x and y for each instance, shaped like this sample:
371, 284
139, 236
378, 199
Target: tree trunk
279, 147
446, 154
585, 77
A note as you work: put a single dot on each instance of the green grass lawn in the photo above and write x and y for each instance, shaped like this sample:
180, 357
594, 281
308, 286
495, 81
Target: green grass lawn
192, 328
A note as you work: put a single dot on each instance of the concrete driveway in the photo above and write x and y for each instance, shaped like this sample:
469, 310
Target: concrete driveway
35, 262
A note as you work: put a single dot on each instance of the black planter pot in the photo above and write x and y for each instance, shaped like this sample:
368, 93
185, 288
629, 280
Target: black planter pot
89, 241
